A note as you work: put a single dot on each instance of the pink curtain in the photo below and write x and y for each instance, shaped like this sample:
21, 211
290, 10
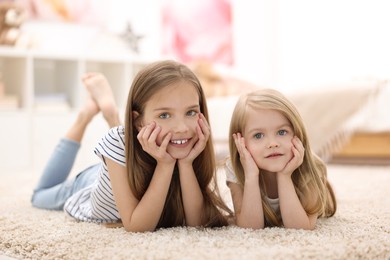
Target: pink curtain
198, 30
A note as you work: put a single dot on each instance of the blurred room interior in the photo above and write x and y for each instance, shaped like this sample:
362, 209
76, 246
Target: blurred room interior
331, 58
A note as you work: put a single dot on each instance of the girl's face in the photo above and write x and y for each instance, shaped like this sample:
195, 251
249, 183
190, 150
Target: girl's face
175, 109
268, 136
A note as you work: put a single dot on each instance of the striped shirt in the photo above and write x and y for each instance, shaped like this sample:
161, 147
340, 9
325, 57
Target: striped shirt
96, 203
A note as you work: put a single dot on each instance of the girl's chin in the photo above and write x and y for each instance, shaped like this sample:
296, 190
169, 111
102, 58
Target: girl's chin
272, 168
179, 154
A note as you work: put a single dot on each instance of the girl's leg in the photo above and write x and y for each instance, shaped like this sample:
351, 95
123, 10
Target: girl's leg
59, 165
102, 94
54, 198
52, 187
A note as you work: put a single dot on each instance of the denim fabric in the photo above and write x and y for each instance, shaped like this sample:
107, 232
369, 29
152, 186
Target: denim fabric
53, 189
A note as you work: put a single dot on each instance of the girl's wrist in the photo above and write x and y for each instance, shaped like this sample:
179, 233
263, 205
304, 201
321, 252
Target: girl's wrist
184, 164
252, 178
280, 176
168, 166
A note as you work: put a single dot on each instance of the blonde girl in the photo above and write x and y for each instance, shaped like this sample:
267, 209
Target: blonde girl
156, 171
274, 177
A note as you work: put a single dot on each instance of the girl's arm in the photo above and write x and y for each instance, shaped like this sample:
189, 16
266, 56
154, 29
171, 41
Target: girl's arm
247, 201
193, 201
247, 204
291, 209
140, 215
143, 215
191, 194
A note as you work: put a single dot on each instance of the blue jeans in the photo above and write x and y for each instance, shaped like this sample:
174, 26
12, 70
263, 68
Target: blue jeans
54, 188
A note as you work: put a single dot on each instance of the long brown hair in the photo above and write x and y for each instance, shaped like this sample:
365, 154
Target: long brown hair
310, 178
140, 165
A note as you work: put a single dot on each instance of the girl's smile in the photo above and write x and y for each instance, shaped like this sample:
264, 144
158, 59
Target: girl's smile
274, 155
268, 136
175, 109
273, 177
180, 142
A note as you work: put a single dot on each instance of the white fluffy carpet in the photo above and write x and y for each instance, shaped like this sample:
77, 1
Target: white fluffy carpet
359, 230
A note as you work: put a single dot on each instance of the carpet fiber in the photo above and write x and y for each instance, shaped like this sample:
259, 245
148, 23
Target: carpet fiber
359, 230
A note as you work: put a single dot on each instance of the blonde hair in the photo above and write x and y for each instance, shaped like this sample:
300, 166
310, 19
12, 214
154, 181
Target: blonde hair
140, 165
310, 178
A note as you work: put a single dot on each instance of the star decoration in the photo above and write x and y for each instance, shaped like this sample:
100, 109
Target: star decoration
131, 38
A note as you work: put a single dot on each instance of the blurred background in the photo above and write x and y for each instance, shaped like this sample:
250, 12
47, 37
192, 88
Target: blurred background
281, 43
294, 46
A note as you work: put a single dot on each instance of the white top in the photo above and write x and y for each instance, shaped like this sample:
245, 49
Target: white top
96, 203
231, 177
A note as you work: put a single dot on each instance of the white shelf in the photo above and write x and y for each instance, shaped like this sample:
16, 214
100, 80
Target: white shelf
38, 85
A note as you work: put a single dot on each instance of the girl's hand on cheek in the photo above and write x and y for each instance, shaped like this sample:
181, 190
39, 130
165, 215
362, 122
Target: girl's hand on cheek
203, 134
297, 159
247, 161
148, 140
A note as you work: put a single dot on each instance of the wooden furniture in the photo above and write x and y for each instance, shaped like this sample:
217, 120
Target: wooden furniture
365, 148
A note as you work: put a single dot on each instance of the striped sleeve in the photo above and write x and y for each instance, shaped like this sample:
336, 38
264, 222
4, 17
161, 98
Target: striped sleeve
112, 146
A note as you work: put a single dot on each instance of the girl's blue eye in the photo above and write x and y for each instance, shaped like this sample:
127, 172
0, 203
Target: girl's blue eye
164, 116
192, 113
258, 135
282, 132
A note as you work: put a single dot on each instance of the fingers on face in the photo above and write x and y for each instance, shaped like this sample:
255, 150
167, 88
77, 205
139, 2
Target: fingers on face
297, 144
148, 134
298, 149
165, 141
239, 141
201, 134
204, 126
153, 135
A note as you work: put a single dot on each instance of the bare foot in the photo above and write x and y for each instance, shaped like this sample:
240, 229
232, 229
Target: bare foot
101, 92
90, 108
86, 114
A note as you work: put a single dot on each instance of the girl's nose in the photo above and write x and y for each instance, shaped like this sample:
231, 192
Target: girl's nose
273, 144
180, 126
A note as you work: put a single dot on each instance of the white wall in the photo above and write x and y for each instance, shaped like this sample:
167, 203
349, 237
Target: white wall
145, 18
305, 43
334, 40
289, 44
256, 40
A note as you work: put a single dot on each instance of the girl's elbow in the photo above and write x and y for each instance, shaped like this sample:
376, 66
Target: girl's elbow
195, 225
250, 225
309, 226
255, 227
130, 227
138, 230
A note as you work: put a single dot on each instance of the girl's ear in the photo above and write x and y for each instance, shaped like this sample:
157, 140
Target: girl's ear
136, 120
